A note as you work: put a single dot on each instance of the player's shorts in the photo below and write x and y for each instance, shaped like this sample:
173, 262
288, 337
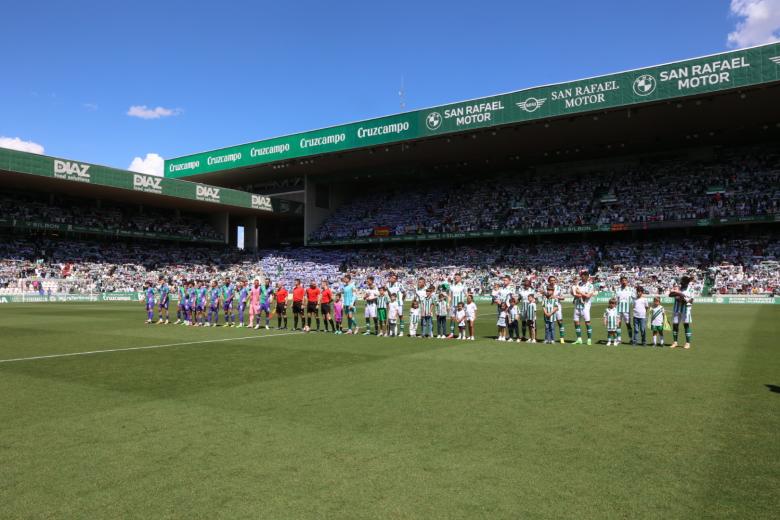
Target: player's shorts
186, 306
531, 323
163, 305
281, 308
311, 307
558, 316
611, 329
214, 308
657, 328
227, 306
241, 307
682, 317
349, 309
265, 306
297, 307
381, 314
199, 308
370, 311
582, 314
325, 308
149, 306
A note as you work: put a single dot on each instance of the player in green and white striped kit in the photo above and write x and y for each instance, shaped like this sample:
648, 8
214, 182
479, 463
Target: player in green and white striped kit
624, 295
426, 310
523, 292
382, 303
395, 287
529, 317
657, 317
683, 301
612, 322
457, 294
583, 291
558, 295
550, 309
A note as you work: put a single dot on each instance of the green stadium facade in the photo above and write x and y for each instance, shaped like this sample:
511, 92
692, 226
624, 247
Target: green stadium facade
281, 189
224, 207
719, 99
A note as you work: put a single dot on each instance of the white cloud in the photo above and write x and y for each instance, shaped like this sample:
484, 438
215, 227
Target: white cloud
759, 22
144, 112
151, 164
92, 107
14, 143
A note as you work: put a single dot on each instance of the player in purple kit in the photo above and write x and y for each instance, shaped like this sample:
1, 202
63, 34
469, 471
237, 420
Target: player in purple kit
164, 300
213, 317
185, 302
266, 295
182, 291
200, 304
192, 298
243, 296
149, 296
228, 292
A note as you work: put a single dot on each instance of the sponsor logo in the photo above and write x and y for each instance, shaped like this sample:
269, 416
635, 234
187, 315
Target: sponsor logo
392, 128
475, 113
308, 142
71, 170
703, 74
261, 202
644, 85
531, 104
584, 95
231, 157
147, 183
207, 193
433, 121
775, 60
190, 165
118, 298
269, 150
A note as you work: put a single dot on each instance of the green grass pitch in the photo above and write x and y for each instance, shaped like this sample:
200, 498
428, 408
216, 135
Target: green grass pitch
321, 426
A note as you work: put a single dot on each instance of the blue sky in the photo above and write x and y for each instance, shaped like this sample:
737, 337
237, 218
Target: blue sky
234, 72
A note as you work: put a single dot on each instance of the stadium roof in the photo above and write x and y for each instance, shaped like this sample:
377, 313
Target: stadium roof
33, 171
717, 73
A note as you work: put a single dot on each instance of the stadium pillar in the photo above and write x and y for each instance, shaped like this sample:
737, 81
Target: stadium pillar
320, 200
250, 233
220, 222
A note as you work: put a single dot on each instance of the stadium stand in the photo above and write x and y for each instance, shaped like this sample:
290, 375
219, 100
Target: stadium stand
737, 265
738, 182
37, 208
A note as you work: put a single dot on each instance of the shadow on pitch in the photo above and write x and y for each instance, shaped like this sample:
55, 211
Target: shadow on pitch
773, 388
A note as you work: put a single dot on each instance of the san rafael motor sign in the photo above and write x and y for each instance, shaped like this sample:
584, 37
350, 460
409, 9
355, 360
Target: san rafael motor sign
720, 72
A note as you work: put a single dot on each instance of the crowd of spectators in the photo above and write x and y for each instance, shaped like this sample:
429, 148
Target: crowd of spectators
737, 183
730, 265
34, 208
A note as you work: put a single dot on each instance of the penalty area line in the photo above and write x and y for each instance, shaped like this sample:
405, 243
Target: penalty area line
147, 347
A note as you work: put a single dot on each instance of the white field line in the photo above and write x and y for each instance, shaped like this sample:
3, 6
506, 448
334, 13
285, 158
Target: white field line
148, 347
